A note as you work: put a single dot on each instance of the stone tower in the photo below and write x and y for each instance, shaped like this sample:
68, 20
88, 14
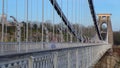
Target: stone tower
104, 24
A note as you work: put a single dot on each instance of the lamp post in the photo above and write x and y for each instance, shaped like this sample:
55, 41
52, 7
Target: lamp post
18, 32
71, 37
46, 31
60, 31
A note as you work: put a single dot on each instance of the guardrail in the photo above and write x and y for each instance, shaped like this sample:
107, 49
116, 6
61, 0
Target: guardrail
76, 56
15, 48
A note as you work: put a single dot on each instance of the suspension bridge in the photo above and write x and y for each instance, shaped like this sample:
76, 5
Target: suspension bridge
53, 34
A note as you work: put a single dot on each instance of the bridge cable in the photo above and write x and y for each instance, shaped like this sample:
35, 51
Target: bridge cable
42, 19
16, 8
26, 24
53, 23
79, 18
27, 21
81, 29
37, 21
91, 6
76, 18
59, 11
6, 16
67, 21
61, 25
46, 29
24, 20
31, 24
72, 14
15, 22
2, 38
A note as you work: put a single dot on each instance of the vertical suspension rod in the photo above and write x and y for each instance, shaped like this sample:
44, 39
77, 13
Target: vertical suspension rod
6, 14
67, 22
61, 26
26, 25
16, 9
53, 22
91, 6
2, 21
42, 18
37, 22
31, 24
16, 23
27, 22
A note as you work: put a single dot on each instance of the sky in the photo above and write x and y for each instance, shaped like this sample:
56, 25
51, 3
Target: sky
79, 14
112, 7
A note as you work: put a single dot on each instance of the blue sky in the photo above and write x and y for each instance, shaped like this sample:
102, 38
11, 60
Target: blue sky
73, 14
109, 6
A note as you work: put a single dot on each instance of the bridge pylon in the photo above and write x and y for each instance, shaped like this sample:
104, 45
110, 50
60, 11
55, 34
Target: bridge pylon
104, 24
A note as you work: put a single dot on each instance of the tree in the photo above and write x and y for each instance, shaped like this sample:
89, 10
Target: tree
116, 36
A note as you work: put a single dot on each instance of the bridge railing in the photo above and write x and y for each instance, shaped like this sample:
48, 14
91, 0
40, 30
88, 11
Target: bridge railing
21, 63
16, 48
70, 57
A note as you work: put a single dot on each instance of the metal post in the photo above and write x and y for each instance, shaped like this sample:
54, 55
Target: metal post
70, 37
68, 59
55, 60
77, 65
47, 38
61, 38
83, 58
30, 62
87, 60
18, 35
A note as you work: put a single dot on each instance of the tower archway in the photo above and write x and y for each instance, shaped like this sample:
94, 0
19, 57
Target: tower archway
104, 24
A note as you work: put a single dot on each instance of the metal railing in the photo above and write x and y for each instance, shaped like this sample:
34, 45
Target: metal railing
78, 56
21, 63
16, 48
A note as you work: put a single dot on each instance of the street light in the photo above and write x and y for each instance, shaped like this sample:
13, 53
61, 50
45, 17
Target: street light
18, 32
46, 31
60, 31
71, 37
